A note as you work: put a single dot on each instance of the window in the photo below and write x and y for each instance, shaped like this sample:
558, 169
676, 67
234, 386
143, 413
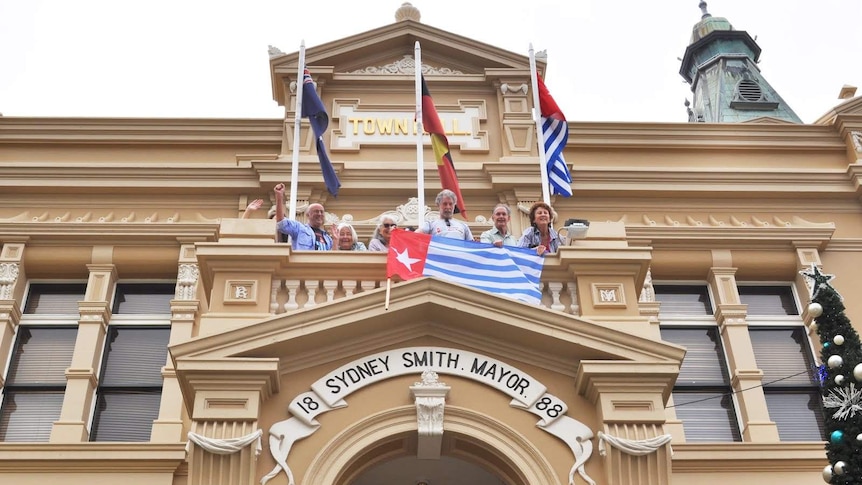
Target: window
702, 395
36, 379
136, 347
783, 352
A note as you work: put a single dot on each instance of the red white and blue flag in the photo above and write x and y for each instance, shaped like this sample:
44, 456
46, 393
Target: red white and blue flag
555, 134
505, 271
312, 108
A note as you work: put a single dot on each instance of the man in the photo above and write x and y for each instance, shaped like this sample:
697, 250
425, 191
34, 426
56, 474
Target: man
308, 237
445, 226
500, 235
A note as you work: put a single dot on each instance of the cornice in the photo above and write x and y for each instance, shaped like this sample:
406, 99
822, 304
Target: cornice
704, 136
146, 131
741, 457
96, 458
119, 233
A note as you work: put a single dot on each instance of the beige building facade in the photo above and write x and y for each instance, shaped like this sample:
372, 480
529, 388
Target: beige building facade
149, 335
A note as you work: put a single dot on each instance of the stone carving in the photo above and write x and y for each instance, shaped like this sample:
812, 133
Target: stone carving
274, 51
406, 65
506, 88
856, 136
187, 280
648, 292
8, 277
430, 399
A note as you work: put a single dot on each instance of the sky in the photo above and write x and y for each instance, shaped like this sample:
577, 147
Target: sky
608, 60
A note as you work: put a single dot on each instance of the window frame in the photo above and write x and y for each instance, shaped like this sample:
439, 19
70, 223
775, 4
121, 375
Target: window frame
695, 321
128, 320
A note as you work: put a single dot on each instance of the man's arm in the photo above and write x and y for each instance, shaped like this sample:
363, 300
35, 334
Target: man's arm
279, 202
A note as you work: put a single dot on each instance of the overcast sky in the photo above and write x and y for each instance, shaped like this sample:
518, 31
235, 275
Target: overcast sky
607, 60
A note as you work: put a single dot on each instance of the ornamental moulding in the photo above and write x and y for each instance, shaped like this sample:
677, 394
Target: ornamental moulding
406, 65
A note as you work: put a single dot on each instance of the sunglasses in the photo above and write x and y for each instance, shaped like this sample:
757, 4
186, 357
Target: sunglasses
387, 225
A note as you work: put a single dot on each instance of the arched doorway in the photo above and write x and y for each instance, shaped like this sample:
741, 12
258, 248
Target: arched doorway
381, 450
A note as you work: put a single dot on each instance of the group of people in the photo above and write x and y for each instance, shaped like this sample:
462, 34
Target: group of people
314, 236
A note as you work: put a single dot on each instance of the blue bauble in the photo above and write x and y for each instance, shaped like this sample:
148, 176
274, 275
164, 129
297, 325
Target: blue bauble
836, 437
825, 345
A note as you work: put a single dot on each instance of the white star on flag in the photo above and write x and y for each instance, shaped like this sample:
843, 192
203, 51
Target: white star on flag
405, 259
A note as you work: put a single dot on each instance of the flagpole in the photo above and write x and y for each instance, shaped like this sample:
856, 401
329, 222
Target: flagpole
537, 117
294, 166
388, 289
420, 161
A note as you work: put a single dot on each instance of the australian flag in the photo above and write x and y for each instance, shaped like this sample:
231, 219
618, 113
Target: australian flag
312, 108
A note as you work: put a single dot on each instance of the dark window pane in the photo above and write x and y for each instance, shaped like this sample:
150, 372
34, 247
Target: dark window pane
29, 416
680, 300
143, 298
42, 355
135, 356
768, 300
706, 416
54, 299
703, 364
784, 356
798, 415
125, 415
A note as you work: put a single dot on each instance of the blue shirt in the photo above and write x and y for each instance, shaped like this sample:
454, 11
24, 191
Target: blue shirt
302, 236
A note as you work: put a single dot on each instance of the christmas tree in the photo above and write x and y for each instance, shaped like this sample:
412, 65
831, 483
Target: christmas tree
841, 381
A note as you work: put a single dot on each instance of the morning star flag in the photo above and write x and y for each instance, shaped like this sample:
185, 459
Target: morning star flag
312, 108
506, 271
440, 144
555, 134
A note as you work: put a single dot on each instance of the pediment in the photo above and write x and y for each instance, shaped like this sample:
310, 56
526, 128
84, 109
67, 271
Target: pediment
768, 120
851, 106
449, 314
387, 53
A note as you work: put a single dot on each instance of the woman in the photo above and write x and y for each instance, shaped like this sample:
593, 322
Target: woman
541, 234
380, 239
346, 239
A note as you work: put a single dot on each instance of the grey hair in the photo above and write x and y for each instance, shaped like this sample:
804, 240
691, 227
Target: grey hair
446, 193
341, 226
508, 210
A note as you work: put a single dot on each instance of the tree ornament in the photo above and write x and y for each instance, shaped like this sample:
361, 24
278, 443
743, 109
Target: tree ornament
859, 437
826, 345
815, 309
857, 372
848, 401
818, 280
839, 468
838, 340
834, 361
839, 379
827, 473
836, 437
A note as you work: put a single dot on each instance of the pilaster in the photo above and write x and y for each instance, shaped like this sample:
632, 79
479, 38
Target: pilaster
12, 281
746, 377
224, 398
185, 311
81, 376
629, 399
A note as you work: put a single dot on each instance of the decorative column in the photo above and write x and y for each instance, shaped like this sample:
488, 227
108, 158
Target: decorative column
11, 282
629, 399
81, 381
224, 399
185, 310
430, 398
517, 125
746, 377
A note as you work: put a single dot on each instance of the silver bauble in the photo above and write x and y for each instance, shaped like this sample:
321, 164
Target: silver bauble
857, 372
839, 379
839, 468
815, 310
838, 340
827, 473
834, 361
